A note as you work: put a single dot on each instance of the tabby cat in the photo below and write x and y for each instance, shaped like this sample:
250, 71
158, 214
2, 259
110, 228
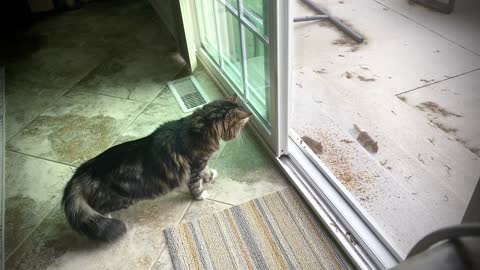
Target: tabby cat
176, 153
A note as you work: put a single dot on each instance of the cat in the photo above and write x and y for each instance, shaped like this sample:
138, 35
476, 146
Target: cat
176, 153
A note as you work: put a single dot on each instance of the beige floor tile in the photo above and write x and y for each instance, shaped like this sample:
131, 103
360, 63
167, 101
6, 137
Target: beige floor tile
76, 128
138, 75
246, 172
203, 208
164, 109
35, 81
33, 186
55, 246
164, 262
232, 191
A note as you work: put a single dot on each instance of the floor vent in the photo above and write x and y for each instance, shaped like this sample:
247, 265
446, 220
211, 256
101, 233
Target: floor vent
188, 93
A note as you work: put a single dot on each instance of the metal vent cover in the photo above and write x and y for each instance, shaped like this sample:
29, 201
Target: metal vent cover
188, 93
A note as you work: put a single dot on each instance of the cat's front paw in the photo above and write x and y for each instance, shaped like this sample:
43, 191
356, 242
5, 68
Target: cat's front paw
202, 196
213, 174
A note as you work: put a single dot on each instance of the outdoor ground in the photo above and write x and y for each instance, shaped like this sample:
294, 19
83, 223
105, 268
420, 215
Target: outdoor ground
413, 86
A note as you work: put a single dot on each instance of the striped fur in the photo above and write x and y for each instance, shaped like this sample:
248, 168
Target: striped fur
176, 153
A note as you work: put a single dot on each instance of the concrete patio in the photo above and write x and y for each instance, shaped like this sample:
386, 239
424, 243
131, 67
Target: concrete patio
413, 87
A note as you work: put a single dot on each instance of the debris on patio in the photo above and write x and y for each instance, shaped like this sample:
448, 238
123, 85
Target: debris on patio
365, 140
316, 146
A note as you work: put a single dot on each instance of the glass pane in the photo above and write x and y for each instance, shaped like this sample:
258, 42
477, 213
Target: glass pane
240, 43
208, 34
258, 70
256, 6
233, 3
231, 48
255, 11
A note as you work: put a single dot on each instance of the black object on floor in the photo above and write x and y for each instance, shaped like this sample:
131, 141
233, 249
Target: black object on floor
455, 247
446, 8
324, 15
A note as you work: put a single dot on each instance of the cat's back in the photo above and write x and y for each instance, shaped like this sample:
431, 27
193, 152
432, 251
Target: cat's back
115, 156
172, 132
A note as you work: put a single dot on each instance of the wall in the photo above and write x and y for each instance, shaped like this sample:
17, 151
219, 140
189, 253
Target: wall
170, 12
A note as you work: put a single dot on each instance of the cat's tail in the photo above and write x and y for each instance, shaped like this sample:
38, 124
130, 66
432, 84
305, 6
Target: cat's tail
85, 220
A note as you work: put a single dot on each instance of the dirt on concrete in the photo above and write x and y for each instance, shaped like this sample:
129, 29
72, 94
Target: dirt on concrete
365, 140
445, 128
363, 79
316, 146
435, 108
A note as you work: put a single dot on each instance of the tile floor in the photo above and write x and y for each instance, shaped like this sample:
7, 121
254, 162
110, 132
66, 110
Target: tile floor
87, 86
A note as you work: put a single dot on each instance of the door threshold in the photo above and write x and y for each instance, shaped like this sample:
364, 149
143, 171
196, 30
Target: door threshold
357, 238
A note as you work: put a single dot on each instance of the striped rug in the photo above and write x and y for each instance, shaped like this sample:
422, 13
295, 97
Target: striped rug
277, 231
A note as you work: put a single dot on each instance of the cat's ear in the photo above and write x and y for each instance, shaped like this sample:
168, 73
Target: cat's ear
233, 98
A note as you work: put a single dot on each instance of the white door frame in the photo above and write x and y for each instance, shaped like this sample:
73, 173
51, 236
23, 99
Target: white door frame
282, 61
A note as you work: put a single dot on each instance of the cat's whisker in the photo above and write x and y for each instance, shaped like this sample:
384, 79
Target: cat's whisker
242, 142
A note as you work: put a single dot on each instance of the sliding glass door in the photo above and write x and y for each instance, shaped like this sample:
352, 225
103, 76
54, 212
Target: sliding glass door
247, 47
240, 48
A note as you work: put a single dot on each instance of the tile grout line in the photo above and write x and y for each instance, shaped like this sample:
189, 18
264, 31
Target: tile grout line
48, 213
446, 79
424, 26
217, 201
158, 257
126, 127
190, 203
42, 158
164, 88
133, 120
122, 98
64, 93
